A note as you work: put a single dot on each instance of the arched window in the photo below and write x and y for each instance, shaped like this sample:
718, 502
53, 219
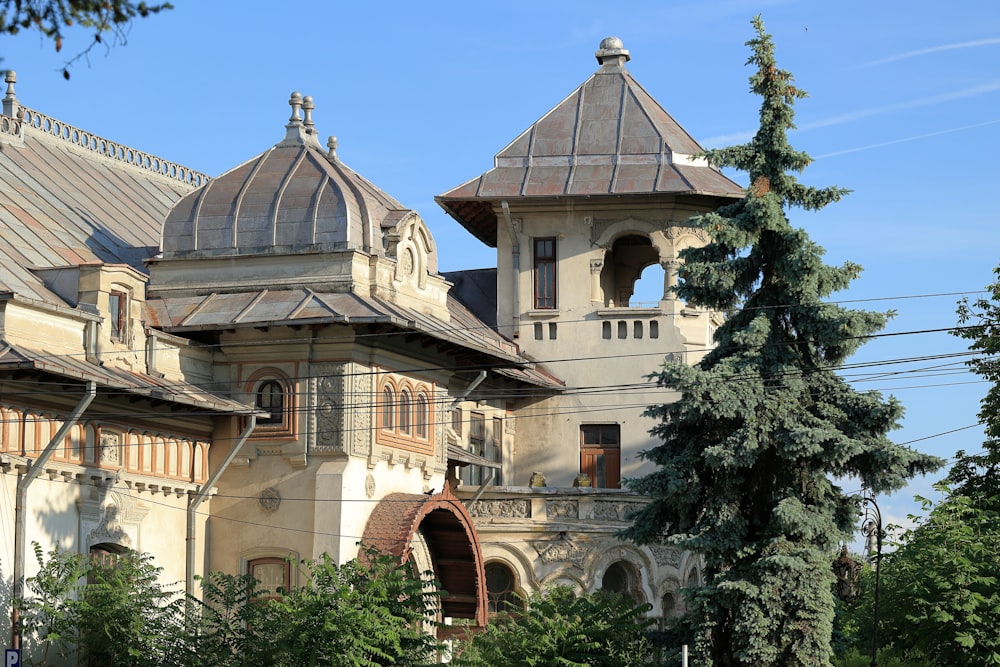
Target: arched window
271, 398
405, 415
620, 577
501, 588
388, 408
420, 416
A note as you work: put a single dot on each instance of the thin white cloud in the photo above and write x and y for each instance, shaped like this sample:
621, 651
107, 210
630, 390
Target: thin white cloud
934, 49
906, 139
974, 91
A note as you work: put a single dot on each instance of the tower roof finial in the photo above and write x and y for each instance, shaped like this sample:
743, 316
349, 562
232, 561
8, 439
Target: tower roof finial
612, 52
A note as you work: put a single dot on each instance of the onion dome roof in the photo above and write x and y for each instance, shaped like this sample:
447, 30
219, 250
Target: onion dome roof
294, 197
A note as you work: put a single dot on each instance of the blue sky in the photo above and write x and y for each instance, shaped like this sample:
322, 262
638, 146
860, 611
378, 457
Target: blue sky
904, 109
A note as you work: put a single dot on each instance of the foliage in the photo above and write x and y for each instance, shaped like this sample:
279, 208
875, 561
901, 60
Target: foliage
370, 611
52, 17
764, 425
367, 612
941, 589
560, 628
109, 613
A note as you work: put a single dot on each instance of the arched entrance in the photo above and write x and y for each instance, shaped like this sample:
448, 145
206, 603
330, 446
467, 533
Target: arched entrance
450, 540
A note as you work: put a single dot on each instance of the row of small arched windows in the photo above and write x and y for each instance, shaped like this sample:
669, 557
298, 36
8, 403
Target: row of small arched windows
405, 412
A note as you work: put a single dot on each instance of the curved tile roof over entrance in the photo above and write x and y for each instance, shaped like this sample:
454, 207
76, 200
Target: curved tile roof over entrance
293, 197
608, 137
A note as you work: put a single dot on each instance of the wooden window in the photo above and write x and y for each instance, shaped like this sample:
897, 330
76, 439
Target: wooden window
421, 416
271, 398
497, 450
118, 307
477, 444
272, 573
405, 412
388, 408
545, 273
600, 455
456, 421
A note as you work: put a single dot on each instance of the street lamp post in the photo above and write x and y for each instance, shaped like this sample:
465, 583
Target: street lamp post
871, 526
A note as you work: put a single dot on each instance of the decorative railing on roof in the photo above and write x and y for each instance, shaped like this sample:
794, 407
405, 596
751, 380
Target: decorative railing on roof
105, 147
10, 126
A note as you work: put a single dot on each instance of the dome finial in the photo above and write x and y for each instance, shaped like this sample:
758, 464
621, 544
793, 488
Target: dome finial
295, 101
331, 144
10, 99
612, 52
307, 110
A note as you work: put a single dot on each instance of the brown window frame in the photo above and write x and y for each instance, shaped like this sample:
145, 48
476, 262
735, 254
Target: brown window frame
272, 560
118, 310
544, 272
600, 455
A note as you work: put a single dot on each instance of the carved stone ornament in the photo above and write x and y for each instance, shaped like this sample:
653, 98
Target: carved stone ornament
561, 551
614, 510
270, 500
502, 509
667, 555
109, 530
562, 509
327, 417
370, 485
109, 448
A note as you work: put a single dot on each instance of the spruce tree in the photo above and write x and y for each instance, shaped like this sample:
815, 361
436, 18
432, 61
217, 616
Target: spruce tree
764, 431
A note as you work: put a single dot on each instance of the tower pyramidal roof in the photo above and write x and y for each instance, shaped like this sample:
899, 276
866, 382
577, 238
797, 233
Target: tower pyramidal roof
608, 137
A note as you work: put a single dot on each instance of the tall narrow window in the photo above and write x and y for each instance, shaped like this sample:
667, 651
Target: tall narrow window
388, 408
600, 455
497, 452
271, 398
545, 273
118, 307
477, 444
421, 416
405, 414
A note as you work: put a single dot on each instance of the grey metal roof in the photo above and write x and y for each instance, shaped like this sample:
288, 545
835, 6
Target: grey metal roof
136, 384
72, 198
609, 137
257, 308
293, 197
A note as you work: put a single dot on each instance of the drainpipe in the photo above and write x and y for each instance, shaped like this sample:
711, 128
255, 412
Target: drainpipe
515, 261
482, 488
202, 493
24, 480
468, 390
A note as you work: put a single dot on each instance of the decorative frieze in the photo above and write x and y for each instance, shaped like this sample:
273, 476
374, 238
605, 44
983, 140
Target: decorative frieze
614, 510
562, 509
560, 551
327, 414
517, 508
667, 555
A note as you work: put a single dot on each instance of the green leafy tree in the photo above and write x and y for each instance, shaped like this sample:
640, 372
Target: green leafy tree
369, 611
941, 587
108, 613
764, 425
558, 628
53, 17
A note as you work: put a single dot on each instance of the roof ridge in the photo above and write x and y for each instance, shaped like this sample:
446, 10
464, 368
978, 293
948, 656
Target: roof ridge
110, 150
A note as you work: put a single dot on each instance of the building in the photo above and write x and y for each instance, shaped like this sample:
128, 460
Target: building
227, 372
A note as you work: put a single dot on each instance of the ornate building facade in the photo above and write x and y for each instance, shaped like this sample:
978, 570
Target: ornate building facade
234, 373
